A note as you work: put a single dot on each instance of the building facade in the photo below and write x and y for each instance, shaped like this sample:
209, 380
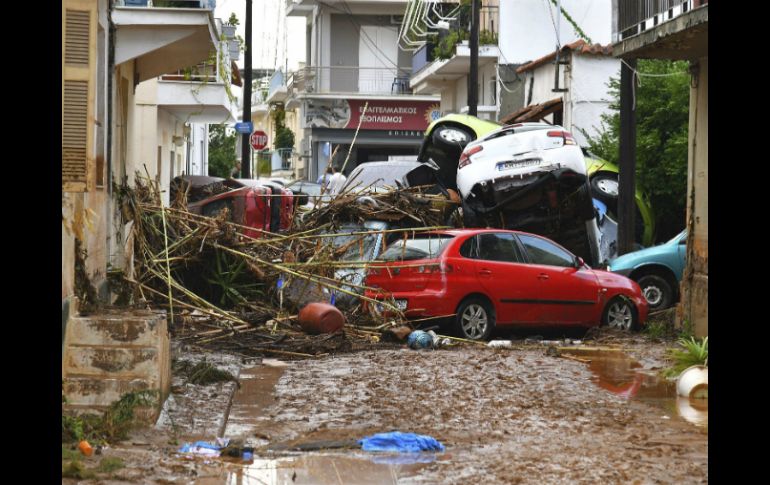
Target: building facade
354, 71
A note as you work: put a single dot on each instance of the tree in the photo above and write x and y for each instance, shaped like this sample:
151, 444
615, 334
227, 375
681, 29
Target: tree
221, 151
284, 137
662, 117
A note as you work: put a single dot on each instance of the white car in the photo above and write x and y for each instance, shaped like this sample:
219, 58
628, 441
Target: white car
515, 156
530, 177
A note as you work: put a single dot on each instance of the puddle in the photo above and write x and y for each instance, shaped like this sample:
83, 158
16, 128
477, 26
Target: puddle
322, 469
619, 374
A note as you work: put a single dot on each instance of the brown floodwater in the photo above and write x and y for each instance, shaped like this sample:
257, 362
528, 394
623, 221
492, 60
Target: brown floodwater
622, 375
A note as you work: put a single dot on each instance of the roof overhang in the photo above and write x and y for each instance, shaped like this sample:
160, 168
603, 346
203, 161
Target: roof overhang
685, 37
533, 112
437, 74
162, 40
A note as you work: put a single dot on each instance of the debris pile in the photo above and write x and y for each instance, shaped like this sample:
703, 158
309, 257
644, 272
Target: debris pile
224, 289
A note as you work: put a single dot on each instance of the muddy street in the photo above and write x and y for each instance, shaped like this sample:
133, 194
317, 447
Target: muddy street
526, 414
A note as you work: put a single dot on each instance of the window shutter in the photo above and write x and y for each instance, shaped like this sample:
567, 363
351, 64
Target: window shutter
78, 87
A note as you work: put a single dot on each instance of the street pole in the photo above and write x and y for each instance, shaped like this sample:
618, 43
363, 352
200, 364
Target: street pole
245, 146
626, 179
473, 79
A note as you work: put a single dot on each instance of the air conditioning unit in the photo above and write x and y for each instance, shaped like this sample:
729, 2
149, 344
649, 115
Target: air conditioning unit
396, 19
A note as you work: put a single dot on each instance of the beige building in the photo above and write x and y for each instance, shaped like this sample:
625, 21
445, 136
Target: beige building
679, 31
123, 112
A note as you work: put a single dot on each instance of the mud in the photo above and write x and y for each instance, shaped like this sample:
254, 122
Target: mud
505, 415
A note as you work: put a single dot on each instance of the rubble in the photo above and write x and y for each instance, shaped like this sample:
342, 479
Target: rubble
224, 290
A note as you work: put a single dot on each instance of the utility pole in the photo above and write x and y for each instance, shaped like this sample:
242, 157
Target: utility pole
626, 179
473, 79
245, 146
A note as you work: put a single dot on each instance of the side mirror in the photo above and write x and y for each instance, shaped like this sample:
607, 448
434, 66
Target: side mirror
579, 263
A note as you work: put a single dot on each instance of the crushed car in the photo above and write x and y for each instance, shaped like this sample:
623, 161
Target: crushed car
259, 205
446, 138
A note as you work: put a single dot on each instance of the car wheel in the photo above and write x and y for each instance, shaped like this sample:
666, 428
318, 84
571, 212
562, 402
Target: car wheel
475, 319
619, 313
605, 187
470, 218
657, 291
451, 137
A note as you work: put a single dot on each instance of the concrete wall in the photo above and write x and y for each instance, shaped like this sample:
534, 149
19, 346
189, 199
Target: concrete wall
695, 281
589, 94
527, 31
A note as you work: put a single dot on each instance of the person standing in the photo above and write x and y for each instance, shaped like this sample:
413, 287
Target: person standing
336, 181
323, 180
236, 171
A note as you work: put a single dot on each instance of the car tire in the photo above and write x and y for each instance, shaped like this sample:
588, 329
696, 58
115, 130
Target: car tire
475, 319
470, 218
451, 137
604, 186
621, 314
657, 291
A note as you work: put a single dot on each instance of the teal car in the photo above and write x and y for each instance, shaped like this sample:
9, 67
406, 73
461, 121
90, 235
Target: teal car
446, 137
658, 270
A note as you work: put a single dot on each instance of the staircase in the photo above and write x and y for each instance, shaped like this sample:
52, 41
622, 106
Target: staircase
112, 353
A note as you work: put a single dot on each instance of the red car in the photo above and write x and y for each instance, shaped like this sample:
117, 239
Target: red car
482, 278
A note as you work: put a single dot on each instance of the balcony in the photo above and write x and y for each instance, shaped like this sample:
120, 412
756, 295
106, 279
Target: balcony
205, 4
664, 29
162, 39
350, 80
437, 75
197, 94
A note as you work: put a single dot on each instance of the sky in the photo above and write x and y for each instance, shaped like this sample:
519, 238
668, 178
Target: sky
270, 32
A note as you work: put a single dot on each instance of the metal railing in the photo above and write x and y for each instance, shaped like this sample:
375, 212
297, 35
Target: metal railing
350, 79
206, 4
636, 16
204, 72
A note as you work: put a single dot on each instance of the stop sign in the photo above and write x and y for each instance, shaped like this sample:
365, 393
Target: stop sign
258, 140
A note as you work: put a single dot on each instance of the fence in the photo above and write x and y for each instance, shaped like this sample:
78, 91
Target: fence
633, 16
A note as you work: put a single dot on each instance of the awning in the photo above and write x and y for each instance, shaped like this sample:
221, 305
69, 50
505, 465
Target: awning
533, 112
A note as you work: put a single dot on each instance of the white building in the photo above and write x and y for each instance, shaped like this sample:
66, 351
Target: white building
352, 62
583, 95
527, 30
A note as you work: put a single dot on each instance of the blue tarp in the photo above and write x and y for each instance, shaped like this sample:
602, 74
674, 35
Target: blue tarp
398, 441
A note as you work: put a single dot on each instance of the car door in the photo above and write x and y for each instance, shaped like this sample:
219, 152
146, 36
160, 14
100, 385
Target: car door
566, 294
502, 273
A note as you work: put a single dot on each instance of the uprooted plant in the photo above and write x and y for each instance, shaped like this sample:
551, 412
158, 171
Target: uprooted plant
692, 352
113, 425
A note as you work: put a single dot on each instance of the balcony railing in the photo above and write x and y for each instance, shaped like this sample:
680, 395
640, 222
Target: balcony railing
207, 4
344, 79
636, 16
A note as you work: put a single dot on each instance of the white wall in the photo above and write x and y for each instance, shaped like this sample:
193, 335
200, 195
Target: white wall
527, 31
589, 93
199, 149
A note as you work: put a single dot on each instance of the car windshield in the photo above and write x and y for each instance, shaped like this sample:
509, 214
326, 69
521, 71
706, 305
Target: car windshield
420, 247
378, 175
358, 247
306, 188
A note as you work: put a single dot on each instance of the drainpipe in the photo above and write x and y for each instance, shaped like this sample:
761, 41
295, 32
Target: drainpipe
473, 81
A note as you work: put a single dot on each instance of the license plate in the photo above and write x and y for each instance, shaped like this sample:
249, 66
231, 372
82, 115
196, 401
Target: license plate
518, 164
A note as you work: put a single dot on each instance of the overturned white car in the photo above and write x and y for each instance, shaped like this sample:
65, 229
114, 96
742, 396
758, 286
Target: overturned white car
531, 177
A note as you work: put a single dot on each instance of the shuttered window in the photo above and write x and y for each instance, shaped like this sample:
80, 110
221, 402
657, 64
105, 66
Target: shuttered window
78, 82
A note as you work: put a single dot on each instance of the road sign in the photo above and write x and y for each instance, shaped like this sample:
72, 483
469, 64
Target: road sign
258, 140
246, 127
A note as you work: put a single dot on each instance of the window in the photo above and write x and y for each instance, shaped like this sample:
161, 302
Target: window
499, 247
470, 248
420, 247
541, 251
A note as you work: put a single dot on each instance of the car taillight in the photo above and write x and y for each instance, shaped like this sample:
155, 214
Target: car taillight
564, 135
465, 157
